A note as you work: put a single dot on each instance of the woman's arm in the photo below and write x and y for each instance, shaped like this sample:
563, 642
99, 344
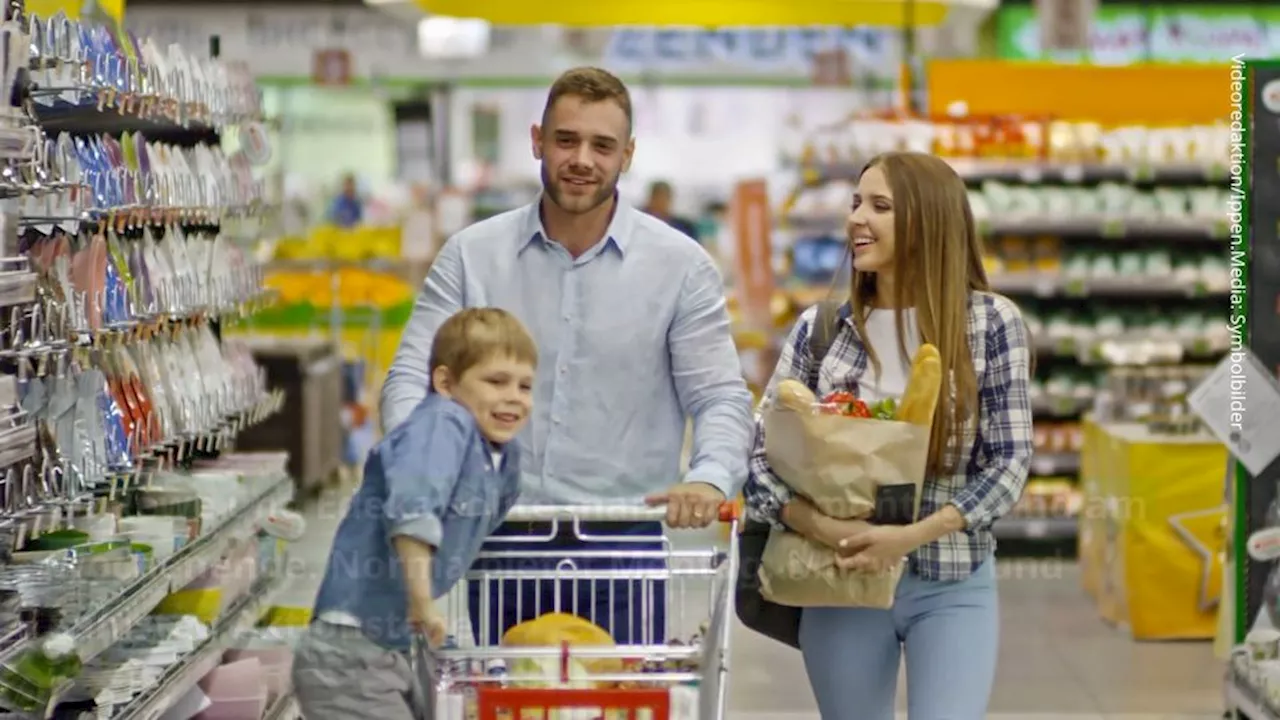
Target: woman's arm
769, 499
1005, 430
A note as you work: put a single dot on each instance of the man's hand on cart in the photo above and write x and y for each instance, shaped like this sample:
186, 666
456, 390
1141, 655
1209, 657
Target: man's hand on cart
690, 504
427, 621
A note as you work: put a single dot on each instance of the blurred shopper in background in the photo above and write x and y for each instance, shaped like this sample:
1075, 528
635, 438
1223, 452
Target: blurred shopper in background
633, 334
660, 205
347, 209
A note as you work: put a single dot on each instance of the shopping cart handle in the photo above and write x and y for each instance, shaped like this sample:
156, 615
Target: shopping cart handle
603, 513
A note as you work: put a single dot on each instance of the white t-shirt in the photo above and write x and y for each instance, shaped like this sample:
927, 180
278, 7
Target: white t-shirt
882, 335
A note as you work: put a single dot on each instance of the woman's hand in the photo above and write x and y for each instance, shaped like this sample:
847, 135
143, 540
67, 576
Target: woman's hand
877, 548
835, 533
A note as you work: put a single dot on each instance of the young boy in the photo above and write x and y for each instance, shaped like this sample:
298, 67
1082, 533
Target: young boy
434, 488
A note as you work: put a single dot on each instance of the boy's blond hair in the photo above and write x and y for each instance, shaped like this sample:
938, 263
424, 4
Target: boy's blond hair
475, 335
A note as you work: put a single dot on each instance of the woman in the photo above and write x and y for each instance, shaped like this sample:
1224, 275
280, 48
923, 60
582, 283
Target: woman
918, 277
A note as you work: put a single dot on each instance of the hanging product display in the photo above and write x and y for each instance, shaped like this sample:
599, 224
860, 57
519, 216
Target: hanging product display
87, 65
136, 546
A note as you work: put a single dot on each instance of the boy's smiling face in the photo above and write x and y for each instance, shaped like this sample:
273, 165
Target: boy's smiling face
498, 392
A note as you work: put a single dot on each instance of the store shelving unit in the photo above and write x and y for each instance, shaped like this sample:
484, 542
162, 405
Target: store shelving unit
133, 190
189, 670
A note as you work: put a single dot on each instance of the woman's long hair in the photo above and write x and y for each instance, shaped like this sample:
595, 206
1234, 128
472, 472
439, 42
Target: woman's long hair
937, 263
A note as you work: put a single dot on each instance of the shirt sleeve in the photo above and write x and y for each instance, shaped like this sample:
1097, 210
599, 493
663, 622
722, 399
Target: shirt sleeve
765, 492
708, 379
422, 463
1005, 431
409, 376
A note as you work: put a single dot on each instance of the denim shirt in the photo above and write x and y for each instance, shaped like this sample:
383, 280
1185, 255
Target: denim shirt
431, 478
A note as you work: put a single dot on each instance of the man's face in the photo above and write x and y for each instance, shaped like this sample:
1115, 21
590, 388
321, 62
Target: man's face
584, 147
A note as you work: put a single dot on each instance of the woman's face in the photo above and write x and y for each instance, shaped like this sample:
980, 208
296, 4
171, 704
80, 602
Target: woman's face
870, 223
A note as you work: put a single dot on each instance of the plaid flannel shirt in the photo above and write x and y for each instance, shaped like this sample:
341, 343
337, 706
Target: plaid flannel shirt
992, 473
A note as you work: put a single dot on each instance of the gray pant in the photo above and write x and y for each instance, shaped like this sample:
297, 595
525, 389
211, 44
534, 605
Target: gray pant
339, 674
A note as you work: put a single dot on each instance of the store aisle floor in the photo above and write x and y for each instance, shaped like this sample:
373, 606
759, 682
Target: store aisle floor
1057, 659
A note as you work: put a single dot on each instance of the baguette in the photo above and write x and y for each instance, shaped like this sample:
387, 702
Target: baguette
920, 400
795, 395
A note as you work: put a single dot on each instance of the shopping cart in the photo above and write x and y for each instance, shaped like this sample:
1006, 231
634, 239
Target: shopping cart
680, 675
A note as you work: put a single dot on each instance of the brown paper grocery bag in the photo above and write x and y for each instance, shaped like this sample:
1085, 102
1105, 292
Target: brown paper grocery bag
838, 462
797, 572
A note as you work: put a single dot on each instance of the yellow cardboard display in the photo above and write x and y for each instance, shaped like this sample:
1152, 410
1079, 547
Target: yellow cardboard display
1152, 542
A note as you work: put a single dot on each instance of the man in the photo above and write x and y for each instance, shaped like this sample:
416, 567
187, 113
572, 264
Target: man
347, 209
659, 206
633, 335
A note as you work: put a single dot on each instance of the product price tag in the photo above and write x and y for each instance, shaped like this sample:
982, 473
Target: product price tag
1045, 287
1073, 174
1043, 466
1112, 229
1142, 173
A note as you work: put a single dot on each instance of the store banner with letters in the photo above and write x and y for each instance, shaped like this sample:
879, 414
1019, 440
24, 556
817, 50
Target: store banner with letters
869, 51
1121, 34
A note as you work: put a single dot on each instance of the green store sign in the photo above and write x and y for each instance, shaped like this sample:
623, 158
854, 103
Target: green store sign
1174, 33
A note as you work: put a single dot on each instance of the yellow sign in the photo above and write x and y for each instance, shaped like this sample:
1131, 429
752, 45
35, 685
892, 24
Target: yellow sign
697, 13
77, 9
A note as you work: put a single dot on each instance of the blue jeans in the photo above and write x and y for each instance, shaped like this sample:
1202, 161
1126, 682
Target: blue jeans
948, 630
632, 611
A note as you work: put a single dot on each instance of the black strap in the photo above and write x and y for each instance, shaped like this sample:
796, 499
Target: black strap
826, 326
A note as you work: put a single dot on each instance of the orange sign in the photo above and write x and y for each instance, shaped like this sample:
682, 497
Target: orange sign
1162, 95
331, 67
751, 225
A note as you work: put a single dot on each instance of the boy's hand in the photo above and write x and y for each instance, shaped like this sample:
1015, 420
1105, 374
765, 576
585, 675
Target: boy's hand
690, 504
427, 621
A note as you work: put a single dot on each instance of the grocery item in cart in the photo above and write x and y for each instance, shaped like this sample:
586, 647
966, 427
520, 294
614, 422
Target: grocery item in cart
555, 630
853, 465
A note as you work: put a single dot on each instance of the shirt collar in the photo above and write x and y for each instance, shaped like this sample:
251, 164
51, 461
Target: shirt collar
618, 234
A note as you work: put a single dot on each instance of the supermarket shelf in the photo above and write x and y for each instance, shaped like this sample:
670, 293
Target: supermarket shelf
1055, 463
1037, 171
175, 683
1242, 700
88, 119
1052, 284
1189, 229
1110, 228
1034, 528
1060, 406
98, 631
284, 708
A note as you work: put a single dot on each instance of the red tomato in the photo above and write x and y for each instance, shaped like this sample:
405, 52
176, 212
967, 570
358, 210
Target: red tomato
840, 397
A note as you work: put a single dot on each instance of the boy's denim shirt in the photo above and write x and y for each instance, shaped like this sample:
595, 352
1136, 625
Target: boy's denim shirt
431, 478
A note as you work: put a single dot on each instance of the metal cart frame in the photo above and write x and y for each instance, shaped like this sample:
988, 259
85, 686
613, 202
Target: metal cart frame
691, 681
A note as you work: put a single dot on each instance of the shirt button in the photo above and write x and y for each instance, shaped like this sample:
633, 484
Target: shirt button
555, 420
563, 369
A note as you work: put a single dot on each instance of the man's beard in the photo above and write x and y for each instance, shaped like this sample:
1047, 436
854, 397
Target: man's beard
580, 204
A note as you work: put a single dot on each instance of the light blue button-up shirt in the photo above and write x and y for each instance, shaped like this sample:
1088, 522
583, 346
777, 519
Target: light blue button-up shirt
633, 337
